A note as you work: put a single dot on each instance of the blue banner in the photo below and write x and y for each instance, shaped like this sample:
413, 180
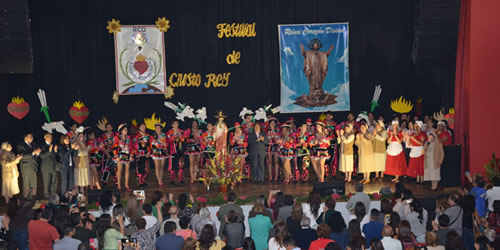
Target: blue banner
314, 67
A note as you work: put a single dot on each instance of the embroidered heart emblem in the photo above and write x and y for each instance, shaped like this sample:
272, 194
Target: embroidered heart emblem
79, 112
141, 66
18, 108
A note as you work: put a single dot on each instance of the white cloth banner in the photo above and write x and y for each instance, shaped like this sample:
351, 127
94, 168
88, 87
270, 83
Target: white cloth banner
140, 60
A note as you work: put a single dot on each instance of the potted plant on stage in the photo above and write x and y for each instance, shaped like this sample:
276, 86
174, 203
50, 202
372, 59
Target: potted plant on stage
222, 170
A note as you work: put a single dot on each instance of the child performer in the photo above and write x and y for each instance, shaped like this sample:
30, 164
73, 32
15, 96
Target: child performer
272, 135
320, 142
396, 161
193, 148
143, 153
345, 137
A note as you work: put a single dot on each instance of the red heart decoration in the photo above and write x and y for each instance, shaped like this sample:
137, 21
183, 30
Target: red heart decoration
79, 114
18, 108
141, 66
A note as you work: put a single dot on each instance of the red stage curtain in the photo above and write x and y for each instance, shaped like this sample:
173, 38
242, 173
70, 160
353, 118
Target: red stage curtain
462, 85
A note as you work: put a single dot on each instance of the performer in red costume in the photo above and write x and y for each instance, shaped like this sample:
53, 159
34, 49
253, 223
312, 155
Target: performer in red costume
142, 139
176, 159
208, 145
287, 151
95, 160
415, 141
238, 143
272, 148
124, 150
302, 157
160, 152
444, 134
319, 142
396, 161
193, 148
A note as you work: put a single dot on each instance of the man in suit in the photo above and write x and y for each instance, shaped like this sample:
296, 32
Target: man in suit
224, 211
257, 141
28, 164
48, 165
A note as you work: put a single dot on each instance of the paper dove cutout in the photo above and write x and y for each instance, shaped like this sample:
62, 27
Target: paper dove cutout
244, 112
58, 126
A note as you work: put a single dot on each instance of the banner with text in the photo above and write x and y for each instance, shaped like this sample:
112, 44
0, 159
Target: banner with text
314, 67
140, 60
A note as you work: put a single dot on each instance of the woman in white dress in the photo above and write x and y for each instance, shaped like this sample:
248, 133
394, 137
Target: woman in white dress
81, 163
345, 137
9, 161
434, 156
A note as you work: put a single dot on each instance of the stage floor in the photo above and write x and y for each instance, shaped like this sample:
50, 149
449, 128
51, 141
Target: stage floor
249, 189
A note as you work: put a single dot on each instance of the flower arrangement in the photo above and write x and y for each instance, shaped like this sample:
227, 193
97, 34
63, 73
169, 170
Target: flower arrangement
493, 167
223, 170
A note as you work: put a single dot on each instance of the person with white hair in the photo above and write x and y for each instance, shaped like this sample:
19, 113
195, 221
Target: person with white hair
415, 141
201, 219
379, 149
306, 235
10, 174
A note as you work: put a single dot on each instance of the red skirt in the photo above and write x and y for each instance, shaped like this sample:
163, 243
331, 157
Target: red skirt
395, 165
416, 167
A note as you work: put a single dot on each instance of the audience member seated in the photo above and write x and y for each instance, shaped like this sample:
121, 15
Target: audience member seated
201, 219
169, 241
306, 234
360, 196
224, 210
328, 211
293, 222
67, 242
185, 232
354, 230
432, 241
280, 232
41, 234
357, 243
323, 233
339, 231
207, 240
260, 226
373, 229
286, 211
406, 236
359, 213
290, 243
454, 241
388, 242
267, 212
234, 230
441, 228
312, 208
385, 211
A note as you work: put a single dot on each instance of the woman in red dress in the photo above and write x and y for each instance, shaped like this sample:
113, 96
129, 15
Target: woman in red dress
396, 161
415, 140
443, 134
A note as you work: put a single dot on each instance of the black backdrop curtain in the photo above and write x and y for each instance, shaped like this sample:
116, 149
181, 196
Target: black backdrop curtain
74, 56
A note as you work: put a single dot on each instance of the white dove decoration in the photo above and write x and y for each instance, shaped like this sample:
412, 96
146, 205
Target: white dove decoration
244, 112
260, 114
201, 114
58, 126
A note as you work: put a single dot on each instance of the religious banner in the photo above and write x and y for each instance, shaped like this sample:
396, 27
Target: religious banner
140, 60
314, 67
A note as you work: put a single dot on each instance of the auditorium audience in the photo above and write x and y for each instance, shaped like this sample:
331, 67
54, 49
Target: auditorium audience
185, 232
453, 241
406, 236
186, 209
416, 215
107, 235
359, 213
493, 194
385, 211
42, 234
286, 211
19, 213
339, 231
494, 222
208, 241
146, 236
107, 201
147, 210
67, 242
441, 228
388, 242
280, 232
201, 219
293, 222
328, 211
169, 240
432, 241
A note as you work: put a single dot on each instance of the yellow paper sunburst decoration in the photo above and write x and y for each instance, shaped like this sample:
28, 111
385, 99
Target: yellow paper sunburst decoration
169, 92
78, 104
115, 97
114, 26
162, 24
151, 122
401, 105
